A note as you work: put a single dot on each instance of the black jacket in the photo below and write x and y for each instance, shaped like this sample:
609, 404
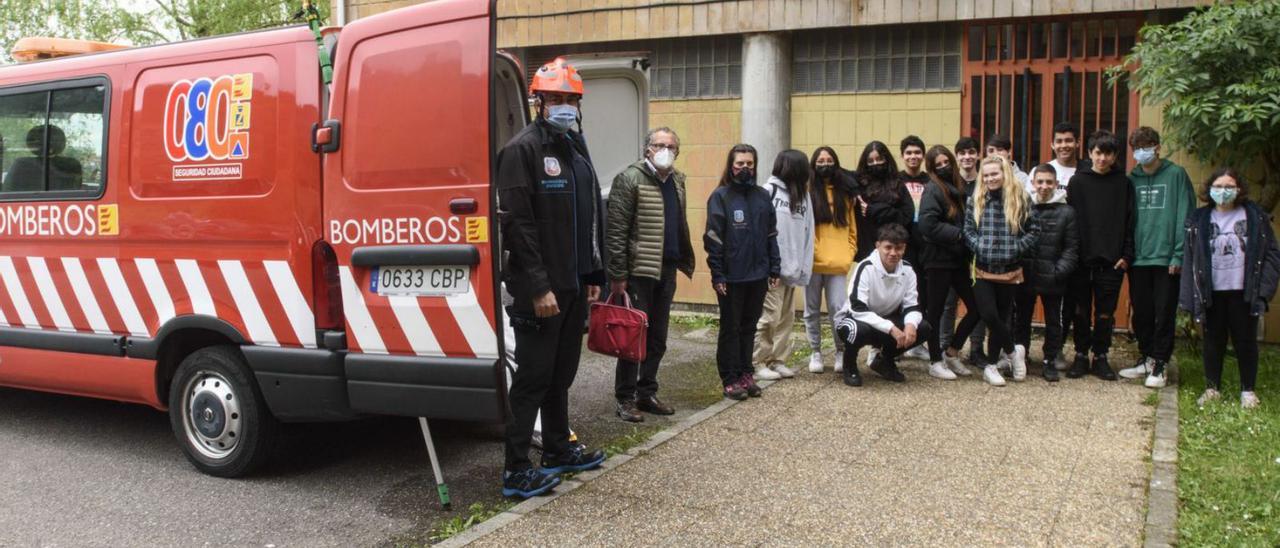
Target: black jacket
881, 210
1050, 264
942, 238
1261, 259
538, 244
741, 238
1106, 215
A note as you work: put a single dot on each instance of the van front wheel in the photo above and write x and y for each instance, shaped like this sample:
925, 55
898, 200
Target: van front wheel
218, 414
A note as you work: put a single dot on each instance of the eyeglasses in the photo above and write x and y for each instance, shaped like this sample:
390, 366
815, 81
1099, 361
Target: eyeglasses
673, 148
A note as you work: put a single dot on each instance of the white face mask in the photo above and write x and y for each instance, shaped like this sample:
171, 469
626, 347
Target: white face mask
663, 159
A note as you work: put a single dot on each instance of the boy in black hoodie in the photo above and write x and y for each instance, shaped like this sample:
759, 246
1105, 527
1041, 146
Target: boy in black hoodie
1106, 213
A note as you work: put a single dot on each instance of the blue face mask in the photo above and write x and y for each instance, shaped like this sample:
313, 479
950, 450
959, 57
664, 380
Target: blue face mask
562, 117
1222, 196
1144, 156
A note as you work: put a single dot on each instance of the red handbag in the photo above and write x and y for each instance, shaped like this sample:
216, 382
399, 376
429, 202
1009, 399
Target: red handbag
618, 331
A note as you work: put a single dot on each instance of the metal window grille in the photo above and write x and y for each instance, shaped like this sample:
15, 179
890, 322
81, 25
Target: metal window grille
877, 59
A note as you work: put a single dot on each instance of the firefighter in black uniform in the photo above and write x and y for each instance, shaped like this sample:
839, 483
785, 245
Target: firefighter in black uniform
552, 223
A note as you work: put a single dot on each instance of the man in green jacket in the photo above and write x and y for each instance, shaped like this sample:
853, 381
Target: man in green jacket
1165, 198
647, 239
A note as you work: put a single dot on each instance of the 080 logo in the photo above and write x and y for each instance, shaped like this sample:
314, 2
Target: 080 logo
208, 118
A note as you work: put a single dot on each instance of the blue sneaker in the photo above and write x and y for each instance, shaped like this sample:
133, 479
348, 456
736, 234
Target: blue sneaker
576, 460
527, 483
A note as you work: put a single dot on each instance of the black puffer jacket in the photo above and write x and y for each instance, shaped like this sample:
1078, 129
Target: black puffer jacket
1049, 265
885, 208
1261, 260
943, 238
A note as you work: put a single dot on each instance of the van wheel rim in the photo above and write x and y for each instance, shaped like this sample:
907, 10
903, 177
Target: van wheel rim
212, 415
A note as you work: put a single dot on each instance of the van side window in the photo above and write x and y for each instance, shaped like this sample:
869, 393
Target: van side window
52, 142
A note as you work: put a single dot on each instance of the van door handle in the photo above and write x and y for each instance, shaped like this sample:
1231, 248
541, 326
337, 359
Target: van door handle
443, 254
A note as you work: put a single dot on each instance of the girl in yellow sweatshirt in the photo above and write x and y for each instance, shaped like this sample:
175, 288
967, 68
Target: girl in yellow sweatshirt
834, 247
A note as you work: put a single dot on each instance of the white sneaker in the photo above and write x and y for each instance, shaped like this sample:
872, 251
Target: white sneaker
815, 362
957, 365
939, 370
1019, 363
1141, 369
1249, 400
871, 356
838, 366
1210, 395
1004, 365
784, 371
992, 376
1060, 363
1156, 379
766, 374
917, 353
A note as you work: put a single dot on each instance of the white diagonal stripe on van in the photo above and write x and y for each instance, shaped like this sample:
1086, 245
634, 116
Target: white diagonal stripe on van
201, 302
14, 286
122, 297
414, 323
84, 295
294, 303
49, 294
247, 302
475, 326
357, 313
156, 289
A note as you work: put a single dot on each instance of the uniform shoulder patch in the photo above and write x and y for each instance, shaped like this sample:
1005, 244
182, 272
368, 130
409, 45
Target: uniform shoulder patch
551, 165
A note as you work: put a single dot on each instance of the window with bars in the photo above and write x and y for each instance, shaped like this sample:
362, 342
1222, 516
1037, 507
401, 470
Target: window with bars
877, 59
681, 68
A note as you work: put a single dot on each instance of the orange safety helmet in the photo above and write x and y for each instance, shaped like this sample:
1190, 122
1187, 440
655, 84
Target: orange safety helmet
558, 76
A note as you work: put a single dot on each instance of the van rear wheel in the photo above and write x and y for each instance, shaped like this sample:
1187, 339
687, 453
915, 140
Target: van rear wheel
218, 414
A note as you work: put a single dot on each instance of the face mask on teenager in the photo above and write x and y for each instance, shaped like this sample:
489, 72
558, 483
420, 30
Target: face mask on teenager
562, 117
879, 171
1222, 196
744, 177
1144, 156
664, 159
944, 173
826, 171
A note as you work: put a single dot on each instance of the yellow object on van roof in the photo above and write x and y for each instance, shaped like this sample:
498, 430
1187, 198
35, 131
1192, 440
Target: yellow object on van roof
36, 48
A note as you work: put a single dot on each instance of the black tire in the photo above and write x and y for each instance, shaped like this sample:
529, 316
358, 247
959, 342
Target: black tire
234, 432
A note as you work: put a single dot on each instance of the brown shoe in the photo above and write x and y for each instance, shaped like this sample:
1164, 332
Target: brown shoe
652, 405
627, 411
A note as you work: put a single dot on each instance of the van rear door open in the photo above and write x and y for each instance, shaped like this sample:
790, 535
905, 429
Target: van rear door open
407, 211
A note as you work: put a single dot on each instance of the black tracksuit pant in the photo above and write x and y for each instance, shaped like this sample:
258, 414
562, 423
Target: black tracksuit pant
1154, 295
740, 309
1096, 290
640, 380
1025, 307
1229, 315
945, 281
867, 335
547, 350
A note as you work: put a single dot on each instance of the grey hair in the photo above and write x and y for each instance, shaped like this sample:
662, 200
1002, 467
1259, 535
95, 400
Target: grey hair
648, 139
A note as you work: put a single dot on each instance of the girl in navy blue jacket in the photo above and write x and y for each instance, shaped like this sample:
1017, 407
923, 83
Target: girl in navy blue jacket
742, 253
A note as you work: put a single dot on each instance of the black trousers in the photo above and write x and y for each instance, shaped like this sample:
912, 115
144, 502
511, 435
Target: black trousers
1097, 290
1025, 307
867, 335
1230, 315
1068, 312
1153, 292
995, 303
740, 309
943, 282
547, 350
640, 380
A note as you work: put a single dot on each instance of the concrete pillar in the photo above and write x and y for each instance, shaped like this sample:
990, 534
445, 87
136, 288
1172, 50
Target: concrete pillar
766, 96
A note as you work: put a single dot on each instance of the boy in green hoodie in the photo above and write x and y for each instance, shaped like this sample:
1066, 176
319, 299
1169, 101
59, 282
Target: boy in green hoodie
1165, 198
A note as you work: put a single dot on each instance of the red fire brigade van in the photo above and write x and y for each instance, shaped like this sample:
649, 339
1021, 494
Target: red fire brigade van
205, 227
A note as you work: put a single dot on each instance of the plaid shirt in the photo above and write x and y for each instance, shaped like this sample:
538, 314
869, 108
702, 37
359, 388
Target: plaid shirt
995, 248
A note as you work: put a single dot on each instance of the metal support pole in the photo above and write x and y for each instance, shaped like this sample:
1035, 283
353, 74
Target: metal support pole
441, 487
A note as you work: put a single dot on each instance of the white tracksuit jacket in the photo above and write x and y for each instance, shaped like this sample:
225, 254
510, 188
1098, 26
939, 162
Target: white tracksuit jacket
875, 294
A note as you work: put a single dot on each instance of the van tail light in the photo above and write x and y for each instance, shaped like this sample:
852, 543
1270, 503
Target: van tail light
325, 287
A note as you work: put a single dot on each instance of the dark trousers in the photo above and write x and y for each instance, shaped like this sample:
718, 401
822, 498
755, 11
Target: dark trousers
943, 282
1097, 290
1025, 307
1230, 315
1068, 312
1154, 295
740, 309
867, 335
640, 380
547, 350
995, 303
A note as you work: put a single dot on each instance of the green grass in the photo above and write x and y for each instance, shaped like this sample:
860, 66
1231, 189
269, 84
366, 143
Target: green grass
476, 513
1229, 458
694, 320
637, 436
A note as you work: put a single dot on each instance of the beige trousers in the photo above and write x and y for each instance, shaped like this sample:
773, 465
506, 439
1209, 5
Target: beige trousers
773, 331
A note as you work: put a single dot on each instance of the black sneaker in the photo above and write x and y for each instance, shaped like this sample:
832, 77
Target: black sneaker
1049, 372
887, 369
1079, 367
576, 460
749, 383
1102, 369
627, 411
851, 376
527, 483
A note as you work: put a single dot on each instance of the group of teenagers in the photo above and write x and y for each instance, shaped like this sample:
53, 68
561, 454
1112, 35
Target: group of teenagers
891, 253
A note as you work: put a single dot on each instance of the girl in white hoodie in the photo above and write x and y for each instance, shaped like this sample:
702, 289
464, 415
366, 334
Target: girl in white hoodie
789, 190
